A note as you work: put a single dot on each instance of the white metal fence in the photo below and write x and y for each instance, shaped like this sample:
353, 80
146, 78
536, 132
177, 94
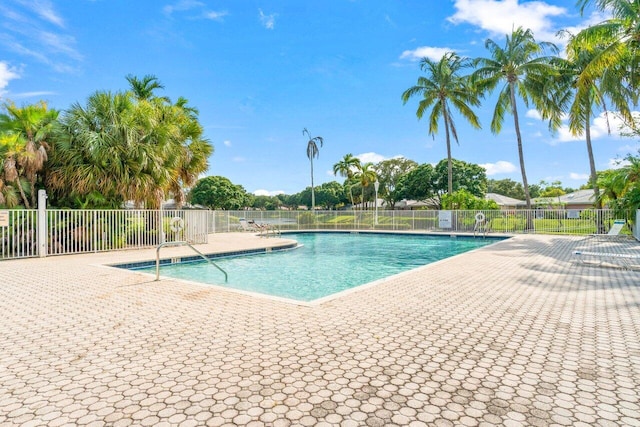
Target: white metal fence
18, 238
78, 231
88, 230
587, 221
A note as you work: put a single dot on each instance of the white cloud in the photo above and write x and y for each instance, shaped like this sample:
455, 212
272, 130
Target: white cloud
565, 135
434, 53
370, 158
238, 159
498, 167
579, 176
44, 9
181, 6
7, 74
215, 16
59, 43
606, 124
227, 143
193, 5
268, 21
35, 94
534, 114
596, 17
267, 192
491, 15
33, 29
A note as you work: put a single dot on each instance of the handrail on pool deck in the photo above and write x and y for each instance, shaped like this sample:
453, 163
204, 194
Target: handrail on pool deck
182, 243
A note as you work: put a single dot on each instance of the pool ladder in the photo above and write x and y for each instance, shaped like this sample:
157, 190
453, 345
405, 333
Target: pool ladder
161, 245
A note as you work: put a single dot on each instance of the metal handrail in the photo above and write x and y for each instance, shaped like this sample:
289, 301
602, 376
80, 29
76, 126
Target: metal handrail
161, 245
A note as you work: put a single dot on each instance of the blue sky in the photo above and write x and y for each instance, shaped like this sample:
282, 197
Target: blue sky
261, 71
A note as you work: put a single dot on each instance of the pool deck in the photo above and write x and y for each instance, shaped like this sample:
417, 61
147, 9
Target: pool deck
517, 333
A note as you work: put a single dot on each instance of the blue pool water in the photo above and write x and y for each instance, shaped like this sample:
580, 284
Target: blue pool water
327, 263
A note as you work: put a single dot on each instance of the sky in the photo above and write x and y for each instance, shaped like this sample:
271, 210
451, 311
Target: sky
262, 71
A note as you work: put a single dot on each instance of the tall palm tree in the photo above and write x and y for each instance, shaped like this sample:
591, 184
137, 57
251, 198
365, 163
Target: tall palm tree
31, 127
347, 168
367, 176
525, 73
581, 95
443, 87
312, 152
620, 35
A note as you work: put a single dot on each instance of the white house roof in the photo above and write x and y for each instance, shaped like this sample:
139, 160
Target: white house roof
503, 200
580, 197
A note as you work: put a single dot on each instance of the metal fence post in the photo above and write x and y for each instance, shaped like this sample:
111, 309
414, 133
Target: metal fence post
42, 223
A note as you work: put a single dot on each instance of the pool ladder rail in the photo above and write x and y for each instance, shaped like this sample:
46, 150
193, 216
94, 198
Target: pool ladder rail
182, 243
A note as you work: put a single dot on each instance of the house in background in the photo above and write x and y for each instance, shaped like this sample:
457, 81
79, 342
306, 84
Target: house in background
578, 200
581, 199
416, 204
505, 203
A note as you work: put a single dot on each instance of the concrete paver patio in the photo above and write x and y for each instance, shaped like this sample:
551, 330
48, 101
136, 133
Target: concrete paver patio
513, 334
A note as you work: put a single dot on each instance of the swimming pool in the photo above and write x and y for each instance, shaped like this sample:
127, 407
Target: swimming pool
325, 264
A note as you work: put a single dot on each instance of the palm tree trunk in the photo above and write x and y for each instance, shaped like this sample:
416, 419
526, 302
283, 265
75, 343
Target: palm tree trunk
32, 185
445, 116
594, 174
313, 196
25, 200
525, 183
11, 175
592, 164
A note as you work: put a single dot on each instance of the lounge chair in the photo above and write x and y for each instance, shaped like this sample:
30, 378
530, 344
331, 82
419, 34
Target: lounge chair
248, 225
627, 260
615, 229
261, 229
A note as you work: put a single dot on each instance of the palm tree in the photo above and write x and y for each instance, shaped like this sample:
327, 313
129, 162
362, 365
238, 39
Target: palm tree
143, 89
312, 151
346, 168
442, 88
30, 127
525, 73
620, 35
109, 147
9, 173
367, 176
621, 187
581, 94
192, 150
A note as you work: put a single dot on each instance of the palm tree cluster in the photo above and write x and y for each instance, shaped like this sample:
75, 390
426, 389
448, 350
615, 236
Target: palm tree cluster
355, 171
600, 69
24, 142
124, 146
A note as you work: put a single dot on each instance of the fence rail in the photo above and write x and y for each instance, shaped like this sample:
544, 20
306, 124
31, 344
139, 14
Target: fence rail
89, 230
587, 221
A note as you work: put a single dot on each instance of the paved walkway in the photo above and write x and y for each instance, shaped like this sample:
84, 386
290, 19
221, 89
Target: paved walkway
512, 334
